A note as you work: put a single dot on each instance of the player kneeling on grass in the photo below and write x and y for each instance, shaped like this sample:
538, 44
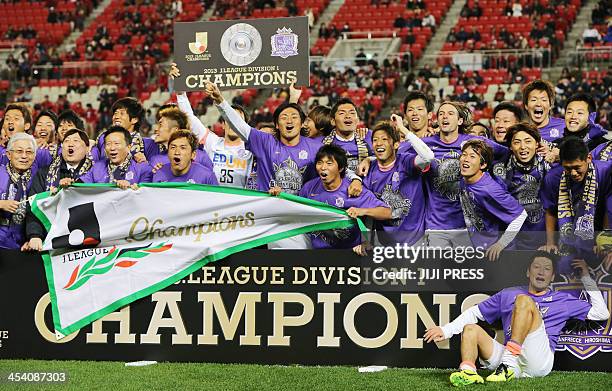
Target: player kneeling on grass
532, 318
331, 187
182, 148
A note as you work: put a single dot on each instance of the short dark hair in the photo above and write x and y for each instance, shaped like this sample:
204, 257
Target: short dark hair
72, 117
133, 108
544, 254
336, 153
240, 109
321, 116
573, 148
415, 95
27, 116
287, 105
385, 126
119, 129
523, 127
481, 148
342, 101
582, 97
539, 85
487, 130
191, 138
518, 112
81, 134
176, 115
46, 113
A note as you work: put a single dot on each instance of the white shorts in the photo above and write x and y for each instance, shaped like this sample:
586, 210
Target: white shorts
448, 238
536, 359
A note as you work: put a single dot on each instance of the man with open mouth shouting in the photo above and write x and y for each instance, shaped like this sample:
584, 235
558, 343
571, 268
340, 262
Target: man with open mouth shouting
119, 167
17, 119
182, 147
538, 98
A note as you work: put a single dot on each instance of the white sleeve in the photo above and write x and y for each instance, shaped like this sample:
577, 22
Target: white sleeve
236, 122
350, 174
513, 229
425, 154
470, 316
599, 309
197, 127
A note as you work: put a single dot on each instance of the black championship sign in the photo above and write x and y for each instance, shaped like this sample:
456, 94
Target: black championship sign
268, 307
256, 53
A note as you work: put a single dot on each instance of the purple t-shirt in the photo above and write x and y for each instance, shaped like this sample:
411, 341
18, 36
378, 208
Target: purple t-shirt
598, 152
555, 307
550, 194
490, 211
442, 182
201, 158
12, 235
197, 174
400, 187
136, 173
150, 148
280, 165
43, 158
553, 130
338, 238
352, 152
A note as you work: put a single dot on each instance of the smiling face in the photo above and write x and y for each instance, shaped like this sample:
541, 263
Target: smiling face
470, 163
577, 169
417, 115
577, 116
540, 274
14, 123
121, 117
523, 147
328, 171
74, 149
448, 119
116, 147
163, 130
477, 130
64, 126
289, 124
346, 119
502, 121
181, 155
44, 128
538, 107
21, 155
384, 146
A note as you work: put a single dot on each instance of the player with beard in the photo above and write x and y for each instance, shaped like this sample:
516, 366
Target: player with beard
182, 147
575, 196
532, 318
45, 128
331, 187
17, 119
119, 167
396, 180
538, 98
344, 119
487, 206
15, 181
170, 120
444, 219
505, 115
72, 163
418, 113
523, 172
127, 113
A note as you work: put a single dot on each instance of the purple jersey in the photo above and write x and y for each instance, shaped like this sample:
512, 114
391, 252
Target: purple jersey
197, 174
400, 187
352, 152
442, 182
43, 158
338, 238
489, 210
602, 152
12, 236
136, 173
162, 157
556, 308
553, 130
287, 167
150, 148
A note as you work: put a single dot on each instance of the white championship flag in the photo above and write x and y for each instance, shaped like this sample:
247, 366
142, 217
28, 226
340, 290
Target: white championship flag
108, 247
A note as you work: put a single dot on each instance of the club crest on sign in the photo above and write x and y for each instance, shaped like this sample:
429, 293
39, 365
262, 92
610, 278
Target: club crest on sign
284, 43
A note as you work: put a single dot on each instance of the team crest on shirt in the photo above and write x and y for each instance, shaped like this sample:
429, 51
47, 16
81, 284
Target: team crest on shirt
191, 181
585, 338
288, 176
446, 176
129, 176
340, 202
554, 132
303, 155
399, 205
395, 177
528, 197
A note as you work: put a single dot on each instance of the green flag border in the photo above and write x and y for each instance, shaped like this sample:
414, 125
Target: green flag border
197, 264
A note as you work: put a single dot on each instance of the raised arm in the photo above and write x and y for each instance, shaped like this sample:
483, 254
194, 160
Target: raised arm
197, 127
242, 129
424, 154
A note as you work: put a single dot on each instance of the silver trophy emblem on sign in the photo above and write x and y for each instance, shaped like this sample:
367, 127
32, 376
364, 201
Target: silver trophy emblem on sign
241, 44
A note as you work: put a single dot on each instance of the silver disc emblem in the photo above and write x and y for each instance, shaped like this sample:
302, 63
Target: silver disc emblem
241, 44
